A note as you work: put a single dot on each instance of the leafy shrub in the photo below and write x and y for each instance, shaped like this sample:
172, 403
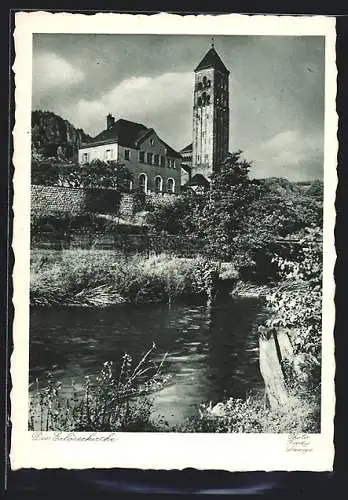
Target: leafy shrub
171, 217
296, 303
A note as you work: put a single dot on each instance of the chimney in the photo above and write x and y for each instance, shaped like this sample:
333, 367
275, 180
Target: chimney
110, 120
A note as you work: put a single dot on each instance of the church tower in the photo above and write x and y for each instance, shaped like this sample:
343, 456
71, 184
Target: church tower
210, 114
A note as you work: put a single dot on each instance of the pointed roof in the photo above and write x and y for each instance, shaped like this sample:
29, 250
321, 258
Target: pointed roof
212, 60
198, 180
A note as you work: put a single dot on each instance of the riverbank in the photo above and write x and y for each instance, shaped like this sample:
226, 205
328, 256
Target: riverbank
102, 278
88, 278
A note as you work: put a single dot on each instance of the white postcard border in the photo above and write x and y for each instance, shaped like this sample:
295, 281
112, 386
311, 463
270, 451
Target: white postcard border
232, 452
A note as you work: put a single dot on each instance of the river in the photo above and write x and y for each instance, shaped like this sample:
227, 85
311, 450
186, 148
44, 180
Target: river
211, 354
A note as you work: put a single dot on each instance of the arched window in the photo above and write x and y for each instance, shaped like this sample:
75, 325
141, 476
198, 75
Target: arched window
170, 185
158, 184
143, 183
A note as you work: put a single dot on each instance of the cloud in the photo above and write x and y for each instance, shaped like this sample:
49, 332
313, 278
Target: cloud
293, 147
295, 154
51, 71
141, 98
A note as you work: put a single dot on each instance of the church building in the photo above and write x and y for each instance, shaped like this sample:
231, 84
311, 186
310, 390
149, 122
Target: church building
210, 130
154, 164
157, 167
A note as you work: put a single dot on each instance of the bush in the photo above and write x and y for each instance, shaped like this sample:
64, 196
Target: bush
170, 217
296, 304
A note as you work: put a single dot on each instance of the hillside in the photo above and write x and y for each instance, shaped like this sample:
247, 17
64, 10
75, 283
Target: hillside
54, 137
288, 188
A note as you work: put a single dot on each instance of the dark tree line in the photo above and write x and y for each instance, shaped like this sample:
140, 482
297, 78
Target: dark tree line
96, 174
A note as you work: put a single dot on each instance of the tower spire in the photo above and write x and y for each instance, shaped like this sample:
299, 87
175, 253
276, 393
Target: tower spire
210, 114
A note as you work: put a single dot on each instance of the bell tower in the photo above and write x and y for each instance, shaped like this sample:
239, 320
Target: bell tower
210, 114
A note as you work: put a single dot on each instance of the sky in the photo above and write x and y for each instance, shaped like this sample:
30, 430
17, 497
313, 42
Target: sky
276, 90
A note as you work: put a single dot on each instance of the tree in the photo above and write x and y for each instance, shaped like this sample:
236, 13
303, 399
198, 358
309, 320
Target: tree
97, 174
43, 172
233, 171
279, 213
176, 217
316, 190
246, 220
221, 217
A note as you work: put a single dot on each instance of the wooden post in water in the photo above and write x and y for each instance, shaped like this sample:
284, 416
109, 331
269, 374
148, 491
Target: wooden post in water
273, 352
212, 288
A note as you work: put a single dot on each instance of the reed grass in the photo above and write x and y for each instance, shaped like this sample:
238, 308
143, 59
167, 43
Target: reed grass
100, 278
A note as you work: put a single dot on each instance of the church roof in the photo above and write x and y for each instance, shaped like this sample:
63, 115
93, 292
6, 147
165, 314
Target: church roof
198, 180
212, 60
127, 134
187, 168
187, 149
123, 132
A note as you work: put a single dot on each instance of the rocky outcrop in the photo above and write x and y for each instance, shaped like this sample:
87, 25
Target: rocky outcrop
54, 137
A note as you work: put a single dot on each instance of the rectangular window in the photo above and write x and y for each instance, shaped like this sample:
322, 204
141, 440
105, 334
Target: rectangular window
169, 162
107, 154
149, 158
173, 163
206, 157
156, 159
142, 156
127, 154
85, 158
163, 161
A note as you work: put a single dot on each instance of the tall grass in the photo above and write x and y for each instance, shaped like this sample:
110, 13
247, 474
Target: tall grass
104, 278
113, 401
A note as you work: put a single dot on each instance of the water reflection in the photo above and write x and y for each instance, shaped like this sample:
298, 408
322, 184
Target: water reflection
212, 353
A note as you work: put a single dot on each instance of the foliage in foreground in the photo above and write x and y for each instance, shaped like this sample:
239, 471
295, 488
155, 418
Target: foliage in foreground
296, 305
79, 277
114, 401
302, 414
